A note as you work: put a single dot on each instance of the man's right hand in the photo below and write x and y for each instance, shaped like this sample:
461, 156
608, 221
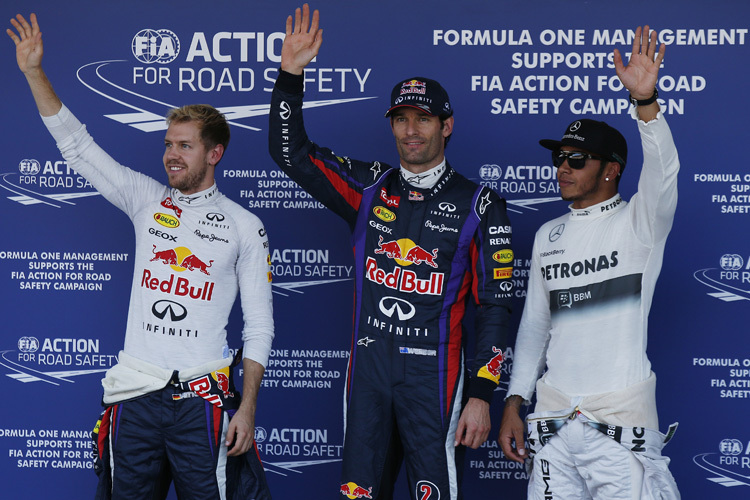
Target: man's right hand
511, 431
29, 49
302, 41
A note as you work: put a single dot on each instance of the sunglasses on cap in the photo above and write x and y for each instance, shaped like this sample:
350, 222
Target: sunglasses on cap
576, 159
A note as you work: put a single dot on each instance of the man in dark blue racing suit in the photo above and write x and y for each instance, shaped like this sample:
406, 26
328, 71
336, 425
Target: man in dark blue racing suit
424, 239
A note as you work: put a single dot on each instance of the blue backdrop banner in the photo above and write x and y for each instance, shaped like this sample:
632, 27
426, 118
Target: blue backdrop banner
517, 71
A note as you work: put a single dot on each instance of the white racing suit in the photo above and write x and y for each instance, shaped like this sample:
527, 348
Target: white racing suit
592, 279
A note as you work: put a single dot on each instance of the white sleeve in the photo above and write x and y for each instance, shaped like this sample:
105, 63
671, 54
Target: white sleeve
653, 206
254, 275
530, 352
120, 185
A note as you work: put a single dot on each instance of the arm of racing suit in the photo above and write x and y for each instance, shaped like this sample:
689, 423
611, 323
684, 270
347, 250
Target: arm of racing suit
492, 268
655, 203
530, 352
337, 182
254, 276
120, 185
113, 181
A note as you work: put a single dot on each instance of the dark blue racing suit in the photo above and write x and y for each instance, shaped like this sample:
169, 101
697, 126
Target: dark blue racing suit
419, 254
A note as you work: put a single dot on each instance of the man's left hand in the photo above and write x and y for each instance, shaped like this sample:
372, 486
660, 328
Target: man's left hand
474, 424
242, 432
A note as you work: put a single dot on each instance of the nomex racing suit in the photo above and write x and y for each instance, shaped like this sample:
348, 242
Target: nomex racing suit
418, 255
169, 398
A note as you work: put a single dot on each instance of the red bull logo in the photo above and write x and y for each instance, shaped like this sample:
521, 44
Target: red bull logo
493, 369
181, 287
222, 381
353, 490
413, 87
181, 259
404, 280
417, 255
391, 248
405, 252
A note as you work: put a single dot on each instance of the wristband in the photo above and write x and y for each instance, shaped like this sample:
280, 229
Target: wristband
645, 102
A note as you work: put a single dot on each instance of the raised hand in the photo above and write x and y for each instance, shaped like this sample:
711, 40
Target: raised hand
640, 75
29, 49
302, 41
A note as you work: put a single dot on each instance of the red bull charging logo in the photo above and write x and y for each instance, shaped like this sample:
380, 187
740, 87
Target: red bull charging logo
405, 252
181, 259
353, 490
493, 369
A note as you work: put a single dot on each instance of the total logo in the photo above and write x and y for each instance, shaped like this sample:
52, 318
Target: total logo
730, 466
730, 282
181, 259
353, 490
391, 201
405, 252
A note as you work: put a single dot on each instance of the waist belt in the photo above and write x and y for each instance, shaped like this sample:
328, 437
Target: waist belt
636, 439
216, 387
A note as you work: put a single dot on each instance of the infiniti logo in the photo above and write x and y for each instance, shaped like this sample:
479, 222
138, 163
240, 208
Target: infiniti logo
286, 111
506, 286
176, 311
388, 305
448, 207
214, 217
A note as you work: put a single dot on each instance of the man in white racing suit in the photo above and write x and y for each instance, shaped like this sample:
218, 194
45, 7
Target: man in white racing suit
172, 413
593, 272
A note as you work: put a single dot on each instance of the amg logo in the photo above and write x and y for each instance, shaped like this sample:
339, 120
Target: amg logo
563, 270
546, 477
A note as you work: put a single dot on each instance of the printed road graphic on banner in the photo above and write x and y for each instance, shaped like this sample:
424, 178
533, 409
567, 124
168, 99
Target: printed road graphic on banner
90, 75
281, 468
728, 280
725, 472
293, 286
26, 196
26, 374
529, 203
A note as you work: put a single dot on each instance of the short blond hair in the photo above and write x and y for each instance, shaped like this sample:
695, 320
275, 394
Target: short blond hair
213, 124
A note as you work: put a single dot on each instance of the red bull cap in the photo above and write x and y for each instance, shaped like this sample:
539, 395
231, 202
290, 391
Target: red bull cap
421, 93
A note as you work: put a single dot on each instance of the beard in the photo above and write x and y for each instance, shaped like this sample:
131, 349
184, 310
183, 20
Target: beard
191, 180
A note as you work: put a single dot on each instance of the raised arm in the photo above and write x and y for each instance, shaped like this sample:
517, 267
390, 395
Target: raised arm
29, 52
641, 73
302, 42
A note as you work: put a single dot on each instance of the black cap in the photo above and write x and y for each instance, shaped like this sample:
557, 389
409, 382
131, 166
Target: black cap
595, 137
423, 94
